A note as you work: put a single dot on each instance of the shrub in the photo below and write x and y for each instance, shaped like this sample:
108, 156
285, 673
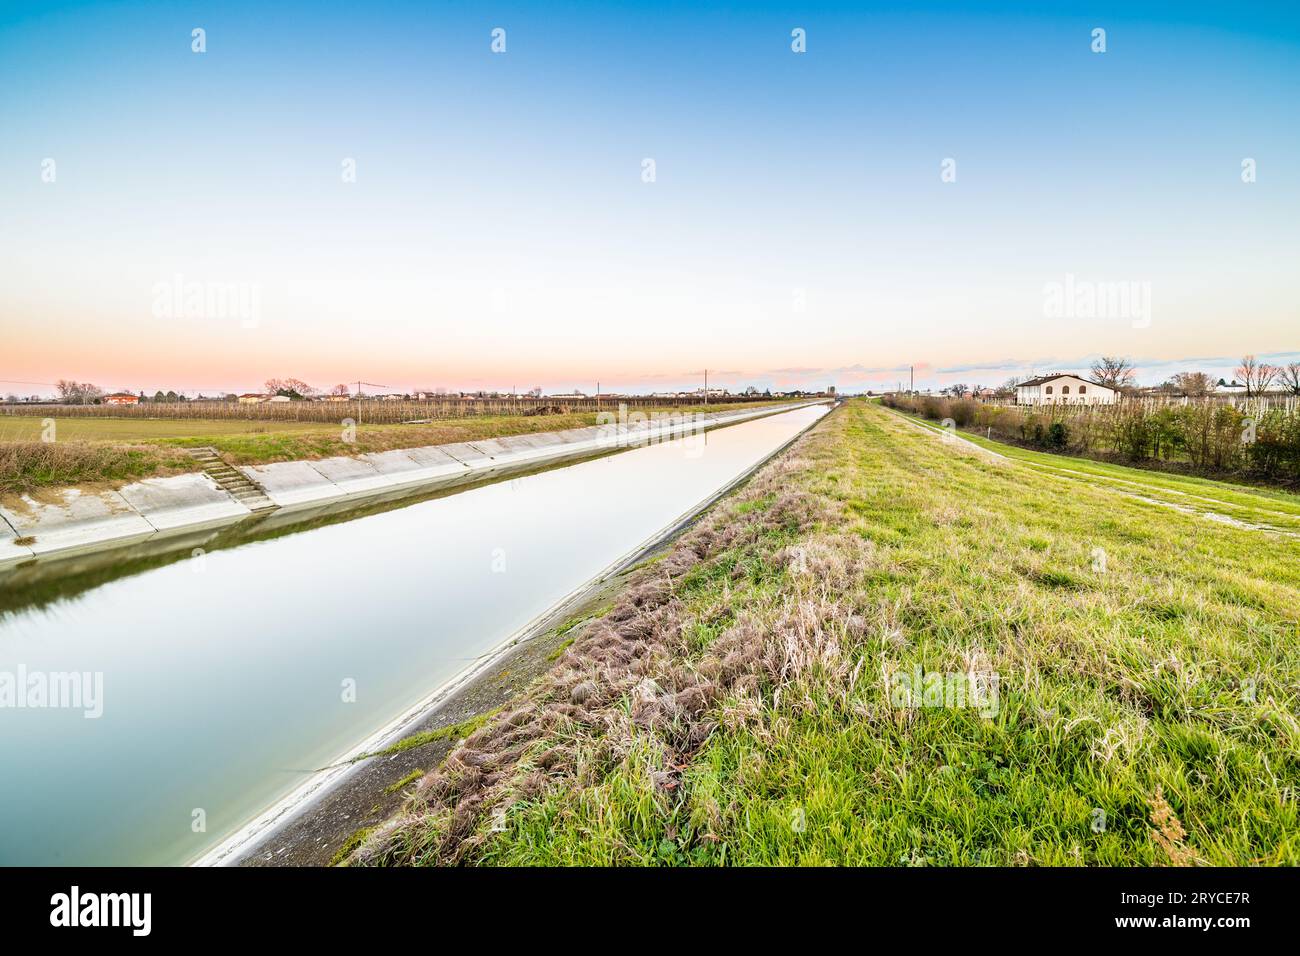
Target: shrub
26, 465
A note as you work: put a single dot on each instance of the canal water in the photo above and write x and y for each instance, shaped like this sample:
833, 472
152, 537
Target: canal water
223, 680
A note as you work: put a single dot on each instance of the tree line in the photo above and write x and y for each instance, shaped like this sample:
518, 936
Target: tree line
1120, 373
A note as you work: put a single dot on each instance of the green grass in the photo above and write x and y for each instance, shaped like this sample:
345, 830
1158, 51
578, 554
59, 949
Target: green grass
1147, 661
406, 781
560, 648
451, 732
351, 843
1272, 507
25, 428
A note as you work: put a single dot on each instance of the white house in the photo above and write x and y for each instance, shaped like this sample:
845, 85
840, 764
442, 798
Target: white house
1060, 388
1229, 388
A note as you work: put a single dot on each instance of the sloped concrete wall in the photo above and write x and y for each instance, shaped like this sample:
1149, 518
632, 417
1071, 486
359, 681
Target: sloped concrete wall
10, 550
73, 518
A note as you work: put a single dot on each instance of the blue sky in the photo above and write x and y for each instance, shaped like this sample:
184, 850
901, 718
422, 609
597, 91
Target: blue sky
499, 231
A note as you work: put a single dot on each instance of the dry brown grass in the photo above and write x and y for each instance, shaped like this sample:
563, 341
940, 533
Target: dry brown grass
1168, 835
634, 676
28, 465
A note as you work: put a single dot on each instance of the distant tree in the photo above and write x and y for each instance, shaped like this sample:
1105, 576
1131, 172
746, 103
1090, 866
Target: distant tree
78, 393
289, 387
1114, 371
158, 396
1255, 375
1192, 384
1289, 376
11, 398
340, 390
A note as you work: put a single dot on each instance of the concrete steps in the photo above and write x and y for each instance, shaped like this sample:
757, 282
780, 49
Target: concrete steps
234, 481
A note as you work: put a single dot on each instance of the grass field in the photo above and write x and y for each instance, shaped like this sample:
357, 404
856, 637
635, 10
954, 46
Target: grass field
786, 685
117, 450
22, 428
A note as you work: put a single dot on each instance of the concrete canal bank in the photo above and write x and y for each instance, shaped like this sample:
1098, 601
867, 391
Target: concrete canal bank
67, 522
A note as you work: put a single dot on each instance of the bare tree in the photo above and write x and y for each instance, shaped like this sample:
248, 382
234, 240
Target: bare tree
1114, 371
1289, 376
1255, 375
77, 393
292, 387
1193, 384
339, 390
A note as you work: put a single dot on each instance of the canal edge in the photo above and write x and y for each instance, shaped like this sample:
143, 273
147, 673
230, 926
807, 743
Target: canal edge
301, 814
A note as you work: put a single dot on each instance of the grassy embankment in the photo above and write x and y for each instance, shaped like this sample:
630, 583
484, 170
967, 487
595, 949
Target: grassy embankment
120, 450
1265, 507
739, 704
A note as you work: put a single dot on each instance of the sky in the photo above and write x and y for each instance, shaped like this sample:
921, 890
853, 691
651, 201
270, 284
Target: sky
632, 193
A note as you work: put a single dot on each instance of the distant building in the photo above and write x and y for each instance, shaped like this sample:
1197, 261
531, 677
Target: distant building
1229, 388
121, 398
1062, 388
251, 398
278, 398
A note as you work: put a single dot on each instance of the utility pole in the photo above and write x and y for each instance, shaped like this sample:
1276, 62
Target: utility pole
911, 378
706, 386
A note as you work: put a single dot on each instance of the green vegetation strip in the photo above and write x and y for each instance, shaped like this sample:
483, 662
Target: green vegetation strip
450, 732
887, 650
